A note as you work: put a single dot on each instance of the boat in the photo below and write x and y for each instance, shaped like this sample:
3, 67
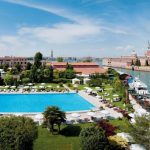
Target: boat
139, 87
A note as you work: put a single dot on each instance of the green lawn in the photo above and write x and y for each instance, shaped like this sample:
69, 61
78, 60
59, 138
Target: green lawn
47, 141
121, 124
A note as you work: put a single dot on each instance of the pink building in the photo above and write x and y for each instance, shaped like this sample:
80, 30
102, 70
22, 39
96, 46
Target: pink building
11, 61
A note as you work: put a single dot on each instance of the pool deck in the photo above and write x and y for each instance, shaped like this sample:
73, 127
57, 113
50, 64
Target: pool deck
95, 101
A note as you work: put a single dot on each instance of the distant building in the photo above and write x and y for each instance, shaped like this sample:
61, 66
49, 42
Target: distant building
11, 61
122, 61
147, 54
86, 68
126, 61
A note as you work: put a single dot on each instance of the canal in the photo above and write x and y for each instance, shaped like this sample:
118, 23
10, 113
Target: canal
143, 76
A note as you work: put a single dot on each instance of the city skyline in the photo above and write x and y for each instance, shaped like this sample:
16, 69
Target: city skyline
96, 28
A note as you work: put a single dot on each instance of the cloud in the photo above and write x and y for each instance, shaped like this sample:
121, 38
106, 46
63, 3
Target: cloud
51, 9
125, 48
61, 33
81, 29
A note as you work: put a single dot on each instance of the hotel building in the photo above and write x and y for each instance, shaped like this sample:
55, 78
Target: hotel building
11, 61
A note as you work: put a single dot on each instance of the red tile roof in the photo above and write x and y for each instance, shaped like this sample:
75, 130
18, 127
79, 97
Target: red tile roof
80, 67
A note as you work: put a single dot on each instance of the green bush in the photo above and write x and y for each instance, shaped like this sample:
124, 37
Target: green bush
61, 80
17, 133
93, 138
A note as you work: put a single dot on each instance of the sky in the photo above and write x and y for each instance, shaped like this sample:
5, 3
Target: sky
78, 28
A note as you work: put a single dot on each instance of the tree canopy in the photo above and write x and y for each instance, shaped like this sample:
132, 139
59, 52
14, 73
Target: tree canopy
37, 59
60, 59
53, 115
8, 79
93, 138
17, 133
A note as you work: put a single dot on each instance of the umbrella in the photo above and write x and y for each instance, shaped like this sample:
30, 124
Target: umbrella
6, 86
133, 120
125, 136
30, 84
34, 87
115, 95
38, 117
141, 112
98, 115
49, 86
98, 96
12, 87
18, 114
105, 112
26, 87
86, 87
41, 87
131, 115
137, 147
75, 85
91, 114
75, 115
42, 83
89, 90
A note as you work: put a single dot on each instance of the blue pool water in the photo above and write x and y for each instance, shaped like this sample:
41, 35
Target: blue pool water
38, 102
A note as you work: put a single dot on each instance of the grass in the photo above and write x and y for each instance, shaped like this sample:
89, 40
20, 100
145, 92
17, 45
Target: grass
121, 124
47, 141
119, 104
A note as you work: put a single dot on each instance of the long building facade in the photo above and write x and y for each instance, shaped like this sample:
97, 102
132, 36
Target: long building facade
11, 61
127, 61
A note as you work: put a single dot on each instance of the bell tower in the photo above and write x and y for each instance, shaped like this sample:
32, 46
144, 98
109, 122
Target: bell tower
148, 45
52, 54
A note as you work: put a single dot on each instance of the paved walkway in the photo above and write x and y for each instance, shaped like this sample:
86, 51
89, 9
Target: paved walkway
95, 101
135, 105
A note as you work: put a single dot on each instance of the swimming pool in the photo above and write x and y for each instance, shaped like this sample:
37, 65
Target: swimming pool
31, 103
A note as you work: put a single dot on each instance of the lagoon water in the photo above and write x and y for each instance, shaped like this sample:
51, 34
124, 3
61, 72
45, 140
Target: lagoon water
143, 76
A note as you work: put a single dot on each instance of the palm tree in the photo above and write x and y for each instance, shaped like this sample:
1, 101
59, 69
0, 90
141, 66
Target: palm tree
53, 115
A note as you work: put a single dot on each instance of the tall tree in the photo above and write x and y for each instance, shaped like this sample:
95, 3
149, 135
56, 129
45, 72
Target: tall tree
69, 66
8, 79
88, 59
132, 63
48, 74
18, 67
146, 63
29, 66
60, 59
5, 67
140, 131
53, 115
37, 59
